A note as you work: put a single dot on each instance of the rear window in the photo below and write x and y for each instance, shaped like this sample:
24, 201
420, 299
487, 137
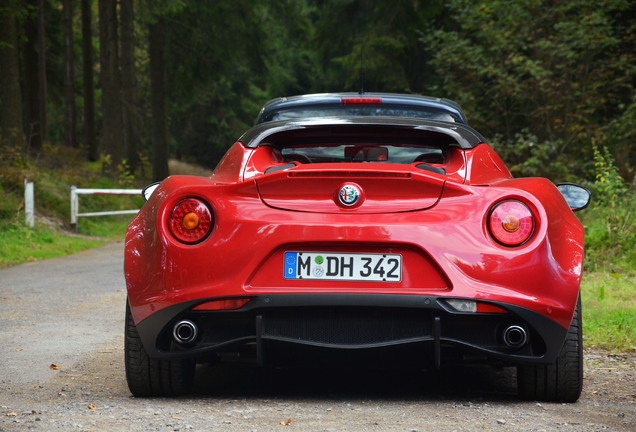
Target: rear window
362, 152
385, 110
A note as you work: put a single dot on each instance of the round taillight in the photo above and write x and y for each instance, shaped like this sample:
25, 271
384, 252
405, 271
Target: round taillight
511, 223
190, 221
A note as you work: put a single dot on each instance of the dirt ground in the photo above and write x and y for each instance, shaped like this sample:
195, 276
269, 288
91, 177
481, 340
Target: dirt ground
91, 395
61, 368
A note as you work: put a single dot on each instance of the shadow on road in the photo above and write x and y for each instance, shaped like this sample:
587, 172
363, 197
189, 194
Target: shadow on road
238, 380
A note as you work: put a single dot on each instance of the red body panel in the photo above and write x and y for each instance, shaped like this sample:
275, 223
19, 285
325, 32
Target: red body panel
389, 189
485, 166
441, 234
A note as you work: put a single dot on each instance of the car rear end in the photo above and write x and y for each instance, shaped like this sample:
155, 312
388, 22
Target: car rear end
355, 237
389, 233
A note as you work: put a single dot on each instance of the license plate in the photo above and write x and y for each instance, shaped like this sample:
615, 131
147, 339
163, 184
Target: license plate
343, 266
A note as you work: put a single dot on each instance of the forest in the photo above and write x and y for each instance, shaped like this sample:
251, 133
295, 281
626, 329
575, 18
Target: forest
551, 84
107, 93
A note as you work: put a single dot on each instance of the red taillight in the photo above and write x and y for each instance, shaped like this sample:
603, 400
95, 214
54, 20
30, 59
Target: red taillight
472, 306
190, 221
223, 304
511, 223
361, 101
489, 308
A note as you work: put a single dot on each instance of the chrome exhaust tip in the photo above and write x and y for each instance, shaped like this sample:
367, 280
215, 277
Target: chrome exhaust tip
185, 332
515, 336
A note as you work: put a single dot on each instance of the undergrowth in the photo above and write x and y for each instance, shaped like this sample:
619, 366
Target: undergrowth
609, 310
610, 220
19, 243
53, 171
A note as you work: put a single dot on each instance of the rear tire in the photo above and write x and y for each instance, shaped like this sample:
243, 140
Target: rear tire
148, 377
562, 380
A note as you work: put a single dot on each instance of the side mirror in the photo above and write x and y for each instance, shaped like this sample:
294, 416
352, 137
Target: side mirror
576, 196
148, 190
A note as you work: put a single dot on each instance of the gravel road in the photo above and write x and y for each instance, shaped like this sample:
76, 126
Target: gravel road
61, 369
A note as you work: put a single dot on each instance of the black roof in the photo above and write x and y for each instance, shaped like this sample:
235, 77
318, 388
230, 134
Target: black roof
268, 111
268, 132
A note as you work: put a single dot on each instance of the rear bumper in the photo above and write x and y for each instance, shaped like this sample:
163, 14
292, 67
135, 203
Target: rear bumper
353, 322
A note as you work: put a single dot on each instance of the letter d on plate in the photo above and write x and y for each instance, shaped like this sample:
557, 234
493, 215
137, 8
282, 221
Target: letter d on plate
290, 265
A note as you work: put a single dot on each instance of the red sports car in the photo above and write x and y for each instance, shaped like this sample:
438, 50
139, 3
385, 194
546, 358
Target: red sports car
357, 236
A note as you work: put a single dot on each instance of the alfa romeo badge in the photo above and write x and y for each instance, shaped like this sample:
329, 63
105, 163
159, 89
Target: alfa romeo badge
349, 195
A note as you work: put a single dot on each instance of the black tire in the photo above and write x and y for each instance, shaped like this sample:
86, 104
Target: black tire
561, 381
148, 377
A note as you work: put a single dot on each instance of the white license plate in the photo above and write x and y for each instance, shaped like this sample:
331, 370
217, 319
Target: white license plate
343, 266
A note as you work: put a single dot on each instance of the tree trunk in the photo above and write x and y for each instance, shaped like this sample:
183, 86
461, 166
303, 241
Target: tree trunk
157, 99
44, 125
128, 83
89, 95
112, 137
11, 124
69, 75
31, 83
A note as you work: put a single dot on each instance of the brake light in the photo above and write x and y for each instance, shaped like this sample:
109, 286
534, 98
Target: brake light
190, 221
489, 308
511, 223
361, 101
472, 306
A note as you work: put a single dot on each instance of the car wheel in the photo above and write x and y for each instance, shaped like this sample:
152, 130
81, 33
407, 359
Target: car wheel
562, 380
148, 377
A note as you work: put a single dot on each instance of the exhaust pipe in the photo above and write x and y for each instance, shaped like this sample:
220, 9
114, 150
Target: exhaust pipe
185, 332
515, 336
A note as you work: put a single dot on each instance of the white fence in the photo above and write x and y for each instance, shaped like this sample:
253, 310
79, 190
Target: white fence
76, 192
29, 203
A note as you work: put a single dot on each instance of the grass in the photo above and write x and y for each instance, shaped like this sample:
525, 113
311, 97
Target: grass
106, 227
53, 172
609, 311
19, 244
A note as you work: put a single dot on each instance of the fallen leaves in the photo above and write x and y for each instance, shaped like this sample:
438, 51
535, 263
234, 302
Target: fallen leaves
54, 366
15, 414
91, 406
287, 422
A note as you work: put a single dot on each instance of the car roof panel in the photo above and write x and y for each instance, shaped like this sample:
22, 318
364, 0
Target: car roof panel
325, 99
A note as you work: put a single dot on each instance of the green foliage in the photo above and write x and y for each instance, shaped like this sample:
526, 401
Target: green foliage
526, 156
20, 244
379, 39
610, 223
105, 227
609, 185
106, 162
12, 175
620, 135
125, 176
53, 173
560, 71
609, 308
289, 59
212, 66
